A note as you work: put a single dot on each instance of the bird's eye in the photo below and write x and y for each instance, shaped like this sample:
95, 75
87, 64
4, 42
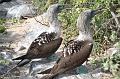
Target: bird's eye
60, 7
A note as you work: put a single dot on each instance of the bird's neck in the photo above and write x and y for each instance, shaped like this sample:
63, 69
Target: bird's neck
84, 36
84, 30
54, 25
51, 16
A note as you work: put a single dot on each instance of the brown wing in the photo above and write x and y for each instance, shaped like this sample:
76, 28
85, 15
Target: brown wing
74, 60
69, 62
44, 45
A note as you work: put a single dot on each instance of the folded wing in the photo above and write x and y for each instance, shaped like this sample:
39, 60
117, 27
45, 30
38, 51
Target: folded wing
44, 45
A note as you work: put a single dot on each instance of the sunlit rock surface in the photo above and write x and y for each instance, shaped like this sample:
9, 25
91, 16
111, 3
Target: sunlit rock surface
16, 9
39, 66
19, 11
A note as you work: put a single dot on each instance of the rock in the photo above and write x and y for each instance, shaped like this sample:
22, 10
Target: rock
3, 13
27, 77
69, 76
41, 65
6, 55
20, 77
18, 11
112, 51
8, 38
4, 7
3, 69
82, 69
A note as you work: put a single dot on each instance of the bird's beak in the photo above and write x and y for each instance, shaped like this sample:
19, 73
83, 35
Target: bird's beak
61, 7
64, 6
67, 6
97, 11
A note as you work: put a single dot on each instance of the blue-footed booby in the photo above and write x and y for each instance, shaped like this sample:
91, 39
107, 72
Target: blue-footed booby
76, 51
47, 42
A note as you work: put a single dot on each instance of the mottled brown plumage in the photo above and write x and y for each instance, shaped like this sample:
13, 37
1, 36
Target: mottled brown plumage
41, 51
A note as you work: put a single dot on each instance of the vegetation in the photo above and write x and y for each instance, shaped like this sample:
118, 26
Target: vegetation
3, 61
2, 28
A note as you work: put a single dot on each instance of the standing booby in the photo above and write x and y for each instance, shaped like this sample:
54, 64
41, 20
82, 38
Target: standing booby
76, 51
47, 42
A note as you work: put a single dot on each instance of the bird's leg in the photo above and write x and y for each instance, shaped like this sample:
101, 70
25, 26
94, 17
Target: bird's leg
30, 69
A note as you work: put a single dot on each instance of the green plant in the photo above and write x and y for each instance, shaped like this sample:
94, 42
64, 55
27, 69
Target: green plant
112, 62
3, 61
2, 29
2, 20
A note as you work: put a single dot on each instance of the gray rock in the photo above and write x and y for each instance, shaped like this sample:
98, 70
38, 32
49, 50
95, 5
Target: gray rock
4, 7
70, 76
27, 77
6, 55
3, 13
3, 69
16, 9
21, 10
41, 65
21, 77
6, 39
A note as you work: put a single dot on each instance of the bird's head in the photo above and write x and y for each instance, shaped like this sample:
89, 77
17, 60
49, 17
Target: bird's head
86, 16
52, 17
83, 23
89, 14
52, 12
55, 8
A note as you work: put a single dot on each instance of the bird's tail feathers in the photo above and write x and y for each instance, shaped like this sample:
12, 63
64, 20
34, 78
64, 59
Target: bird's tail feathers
19, 58
23, 62
46, 71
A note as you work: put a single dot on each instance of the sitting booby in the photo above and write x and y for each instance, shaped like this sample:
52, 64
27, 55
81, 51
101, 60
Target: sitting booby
76, 51
47, 42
